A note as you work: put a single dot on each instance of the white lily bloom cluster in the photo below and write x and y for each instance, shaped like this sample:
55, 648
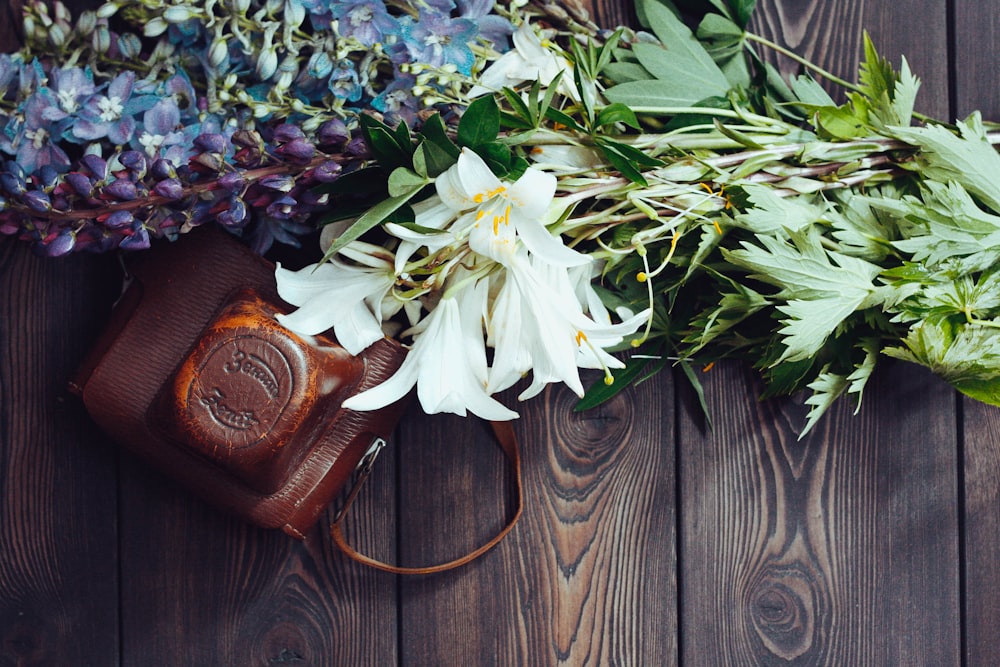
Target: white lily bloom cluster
502, 280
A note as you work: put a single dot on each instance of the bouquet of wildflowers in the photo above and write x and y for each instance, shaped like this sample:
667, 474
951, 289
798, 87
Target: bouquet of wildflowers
518, 194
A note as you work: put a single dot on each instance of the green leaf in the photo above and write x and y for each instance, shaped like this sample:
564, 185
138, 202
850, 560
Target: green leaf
403, 180
431, 160
810, 92
969, 158
617, 113
623, 72
601, 392
497, 156
826, 389
480, 123
384, 142
647, 96
683, 57
840, 122
435, 132
699, 391
557, 116
371, 218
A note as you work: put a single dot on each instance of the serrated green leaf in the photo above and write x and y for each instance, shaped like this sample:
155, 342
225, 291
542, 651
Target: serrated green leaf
810, 92
840, 122
826, 389
968, 158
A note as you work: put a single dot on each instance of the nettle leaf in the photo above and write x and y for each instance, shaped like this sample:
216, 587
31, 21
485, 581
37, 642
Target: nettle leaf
480, 124
826, 389
771, 214
968, 357
968, 158
810, 92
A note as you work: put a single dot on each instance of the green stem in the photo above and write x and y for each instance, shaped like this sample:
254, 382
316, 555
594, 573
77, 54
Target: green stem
802, 61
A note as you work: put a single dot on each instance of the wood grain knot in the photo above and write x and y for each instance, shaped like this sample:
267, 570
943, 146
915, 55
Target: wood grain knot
593, 434
24, 643
783, 608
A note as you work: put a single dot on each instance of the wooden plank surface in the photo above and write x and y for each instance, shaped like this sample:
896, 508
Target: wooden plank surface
977, 61
844, 548
587, 576
58, 505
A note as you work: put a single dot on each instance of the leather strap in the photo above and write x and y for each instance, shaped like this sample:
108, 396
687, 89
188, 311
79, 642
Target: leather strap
507, 440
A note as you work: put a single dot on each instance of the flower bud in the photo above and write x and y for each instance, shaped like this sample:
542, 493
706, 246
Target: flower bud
134, 161
232, 181
294, 14
218, 54
155, 27
137, 241
96, 165
288, 132
279, 182
327, 172
37, 201
101, 38
211, 142
63, 15
57, 36
162, 169
247, 139
119, 220
58, 244
121, 189
169, 188
267, 64
236, 216
241, 6
107, 10
86, 23
333, 133
80, 183
178, 14
297, 150
12, 184
129, 46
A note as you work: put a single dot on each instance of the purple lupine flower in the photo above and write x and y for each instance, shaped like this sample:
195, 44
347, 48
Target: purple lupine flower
367, 21
438, 39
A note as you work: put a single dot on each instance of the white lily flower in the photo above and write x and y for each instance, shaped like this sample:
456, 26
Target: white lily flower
344, 297
431, 213
498, 213
538, 324
529, 60
447, 363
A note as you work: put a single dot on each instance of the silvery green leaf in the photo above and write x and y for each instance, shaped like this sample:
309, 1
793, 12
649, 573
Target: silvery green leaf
622, 72
771, 214
905, 94
826, 389
808, 91
968, 158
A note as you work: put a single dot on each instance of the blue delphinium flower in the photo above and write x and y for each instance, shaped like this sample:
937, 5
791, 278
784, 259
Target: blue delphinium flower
71, 87
367, 21
397, 102
492, 27
35, 139
344, 82
9, 68
112, 114
437, 39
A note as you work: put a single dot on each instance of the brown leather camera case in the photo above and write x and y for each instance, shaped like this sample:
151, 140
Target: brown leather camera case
196, 376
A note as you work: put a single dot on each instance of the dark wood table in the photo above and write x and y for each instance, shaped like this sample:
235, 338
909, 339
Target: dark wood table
647, 538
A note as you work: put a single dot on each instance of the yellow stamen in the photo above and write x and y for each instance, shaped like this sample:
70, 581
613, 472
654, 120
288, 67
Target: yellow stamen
708, 367
641, 276
718, 227
580, 337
